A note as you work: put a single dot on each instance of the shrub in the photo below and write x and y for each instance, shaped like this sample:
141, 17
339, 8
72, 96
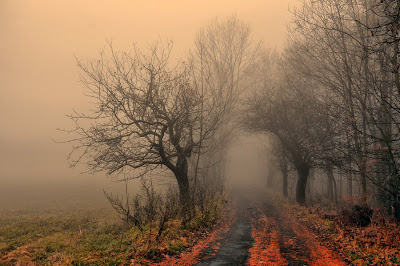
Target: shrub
358, 215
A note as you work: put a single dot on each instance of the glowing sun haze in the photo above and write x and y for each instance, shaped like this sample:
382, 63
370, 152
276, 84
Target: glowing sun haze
38, 72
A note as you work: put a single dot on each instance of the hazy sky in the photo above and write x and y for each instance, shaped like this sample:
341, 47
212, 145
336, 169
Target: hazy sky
38, 73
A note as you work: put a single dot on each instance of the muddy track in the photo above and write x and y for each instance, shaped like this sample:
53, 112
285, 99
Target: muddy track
233, 246
264, 235
292, 247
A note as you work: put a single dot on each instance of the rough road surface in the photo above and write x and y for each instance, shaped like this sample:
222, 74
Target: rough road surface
262, 234
235, 244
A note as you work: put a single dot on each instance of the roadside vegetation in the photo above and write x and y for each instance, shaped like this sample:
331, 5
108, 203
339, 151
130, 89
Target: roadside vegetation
97, 237
358, 235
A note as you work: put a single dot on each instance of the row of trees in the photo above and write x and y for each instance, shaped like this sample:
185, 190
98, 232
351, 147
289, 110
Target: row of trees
149, 113
330, 101
333, 100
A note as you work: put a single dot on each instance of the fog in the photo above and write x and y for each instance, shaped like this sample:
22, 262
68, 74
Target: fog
39, 82
248, 162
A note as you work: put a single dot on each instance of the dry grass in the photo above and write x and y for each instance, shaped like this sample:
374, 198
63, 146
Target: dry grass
91, 237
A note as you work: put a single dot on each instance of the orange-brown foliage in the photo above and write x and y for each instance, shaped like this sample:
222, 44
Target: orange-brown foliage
192, 256
265, 250
320, 255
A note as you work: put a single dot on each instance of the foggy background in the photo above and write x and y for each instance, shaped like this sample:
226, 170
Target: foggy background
39, 82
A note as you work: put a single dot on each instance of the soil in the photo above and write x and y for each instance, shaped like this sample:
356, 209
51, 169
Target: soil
234, 247
262, 234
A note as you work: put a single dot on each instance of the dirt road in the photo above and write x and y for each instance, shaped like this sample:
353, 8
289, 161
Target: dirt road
261, 234
233, 248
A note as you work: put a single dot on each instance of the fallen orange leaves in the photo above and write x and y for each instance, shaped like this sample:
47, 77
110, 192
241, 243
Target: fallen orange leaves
280, 239
191, 256
265, 250
375, 244
320, 255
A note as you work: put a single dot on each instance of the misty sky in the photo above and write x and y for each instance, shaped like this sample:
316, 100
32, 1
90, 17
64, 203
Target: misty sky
38, 73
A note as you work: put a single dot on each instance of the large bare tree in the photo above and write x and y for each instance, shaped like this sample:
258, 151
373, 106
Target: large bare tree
145, 115
148, 113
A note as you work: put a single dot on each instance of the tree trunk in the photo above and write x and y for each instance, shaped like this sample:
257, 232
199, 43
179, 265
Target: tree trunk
363, 184
309, 185
329, 187
303, 172
350, 183
331, 184
285, 182
340, 184
335, 194
270, 179
183, 184
181, 175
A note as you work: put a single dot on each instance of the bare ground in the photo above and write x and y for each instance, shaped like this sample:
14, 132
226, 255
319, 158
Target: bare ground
262, 234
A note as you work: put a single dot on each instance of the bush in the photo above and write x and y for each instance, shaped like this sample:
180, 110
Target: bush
358, 215
147, 207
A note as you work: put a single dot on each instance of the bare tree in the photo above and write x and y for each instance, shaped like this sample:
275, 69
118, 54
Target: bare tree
223, 57
351, 49
145, 115
283, 163
148, 114
289, 108
329, 50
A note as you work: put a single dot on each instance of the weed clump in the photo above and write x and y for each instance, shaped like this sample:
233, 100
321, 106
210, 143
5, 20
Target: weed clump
357, 216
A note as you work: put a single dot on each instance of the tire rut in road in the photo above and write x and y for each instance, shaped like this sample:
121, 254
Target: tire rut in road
282, 240
262, 234
233, 247
292, 248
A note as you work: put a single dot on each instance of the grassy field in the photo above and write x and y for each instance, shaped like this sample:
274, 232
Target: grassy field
50, 237
90, 237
